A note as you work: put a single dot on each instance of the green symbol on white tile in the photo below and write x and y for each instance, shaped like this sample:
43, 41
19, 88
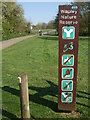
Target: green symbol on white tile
66, 97
67, 73
67, 85
68, 32
68, 60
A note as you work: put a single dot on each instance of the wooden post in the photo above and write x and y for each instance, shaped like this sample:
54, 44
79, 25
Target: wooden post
24, 96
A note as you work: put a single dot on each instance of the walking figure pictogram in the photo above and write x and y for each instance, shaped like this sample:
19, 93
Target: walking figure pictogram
67, 85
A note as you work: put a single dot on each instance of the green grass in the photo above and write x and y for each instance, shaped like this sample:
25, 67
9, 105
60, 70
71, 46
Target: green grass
38, 57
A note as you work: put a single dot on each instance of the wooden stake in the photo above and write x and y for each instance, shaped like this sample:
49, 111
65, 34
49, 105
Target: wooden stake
24, 96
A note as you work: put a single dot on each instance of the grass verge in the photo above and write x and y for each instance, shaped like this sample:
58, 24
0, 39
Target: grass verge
38, 57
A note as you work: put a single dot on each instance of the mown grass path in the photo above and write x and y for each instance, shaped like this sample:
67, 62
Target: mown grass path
38, 57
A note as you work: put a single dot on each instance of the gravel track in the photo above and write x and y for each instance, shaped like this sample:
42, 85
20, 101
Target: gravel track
7, 43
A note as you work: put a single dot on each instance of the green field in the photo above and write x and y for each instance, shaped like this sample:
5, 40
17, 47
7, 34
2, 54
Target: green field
38, 57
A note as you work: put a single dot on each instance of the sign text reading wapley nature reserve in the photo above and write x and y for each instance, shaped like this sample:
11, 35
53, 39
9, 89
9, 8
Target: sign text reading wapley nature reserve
68, 56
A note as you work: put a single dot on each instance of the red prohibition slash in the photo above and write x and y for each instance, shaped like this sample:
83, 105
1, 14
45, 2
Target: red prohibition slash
68, 72
68, 59
67, 96
67, 85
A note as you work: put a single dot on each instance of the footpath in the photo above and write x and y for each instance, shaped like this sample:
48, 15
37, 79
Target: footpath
7, 43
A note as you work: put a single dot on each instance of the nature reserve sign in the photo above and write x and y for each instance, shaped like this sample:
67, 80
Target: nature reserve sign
68, 56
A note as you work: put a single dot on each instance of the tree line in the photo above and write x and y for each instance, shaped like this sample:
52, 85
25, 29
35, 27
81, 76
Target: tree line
49, 25
14, 24
13, 21
83, 19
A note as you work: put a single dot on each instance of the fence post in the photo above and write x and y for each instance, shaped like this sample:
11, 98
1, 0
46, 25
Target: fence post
24, 96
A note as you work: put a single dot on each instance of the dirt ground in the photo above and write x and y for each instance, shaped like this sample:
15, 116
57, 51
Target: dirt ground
7, 43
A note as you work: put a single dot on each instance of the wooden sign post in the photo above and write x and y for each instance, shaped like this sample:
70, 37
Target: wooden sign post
68, 56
